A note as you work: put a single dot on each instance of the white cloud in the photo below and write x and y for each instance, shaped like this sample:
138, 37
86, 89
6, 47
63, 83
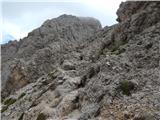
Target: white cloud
75, 1
103, 5
0, 22
28, 21
13, 29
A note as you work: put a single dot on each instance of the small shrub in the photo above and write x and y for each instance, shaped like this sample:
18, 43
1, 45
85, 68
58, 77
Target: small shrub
115, 48
22, 95
4, 109
118, 51
126, 87
41, 116
53, 74
9, 101
21, 117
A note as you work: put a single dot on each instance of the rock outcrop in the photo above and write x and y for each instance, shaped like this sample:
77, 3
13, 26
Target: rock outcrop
72, 69
43, 49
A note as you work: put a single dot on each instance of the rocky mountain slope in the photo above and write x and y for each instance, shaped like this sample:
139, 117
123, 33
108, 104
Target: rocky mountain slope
43, 50
73, 69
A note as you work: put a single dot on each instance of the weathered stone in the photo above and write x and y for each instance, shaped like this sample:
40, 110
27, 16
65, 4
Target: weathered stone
70, 67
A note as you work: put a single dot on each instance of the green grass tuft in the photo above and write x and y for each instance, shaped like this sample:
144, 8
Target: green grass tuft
126, 87
9, 101
4, 109
22, 95
118, 51
41, 116
53, 74
21, 117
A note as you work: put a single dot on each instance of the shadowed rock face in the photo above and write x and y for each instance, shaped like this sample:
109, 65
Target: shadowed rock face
71, 68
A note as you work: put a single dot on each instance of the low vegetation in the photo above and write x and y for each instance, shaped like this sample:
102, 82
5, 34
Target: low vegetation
4, 109
117, 50
53, 74
21, 117
41, 116
126, 87
22, 95
9, 101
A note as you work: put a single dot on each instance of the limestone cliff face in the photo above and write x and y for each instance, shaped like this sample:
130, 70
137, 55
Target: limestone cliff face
71, 68
42, 49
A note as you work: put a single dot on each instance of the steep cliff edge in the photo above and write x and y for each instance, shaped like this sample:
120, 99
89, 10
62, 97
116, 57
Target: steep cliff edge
72, 69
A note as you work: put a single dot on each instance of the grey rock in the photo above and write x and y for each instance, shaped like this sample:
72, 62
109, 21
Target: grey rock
71, 68
89, 111
46, 46
68, 65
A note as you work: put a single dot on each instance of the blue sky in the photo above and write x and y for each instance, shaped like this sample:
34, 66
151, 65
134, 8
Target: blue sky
21, 17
